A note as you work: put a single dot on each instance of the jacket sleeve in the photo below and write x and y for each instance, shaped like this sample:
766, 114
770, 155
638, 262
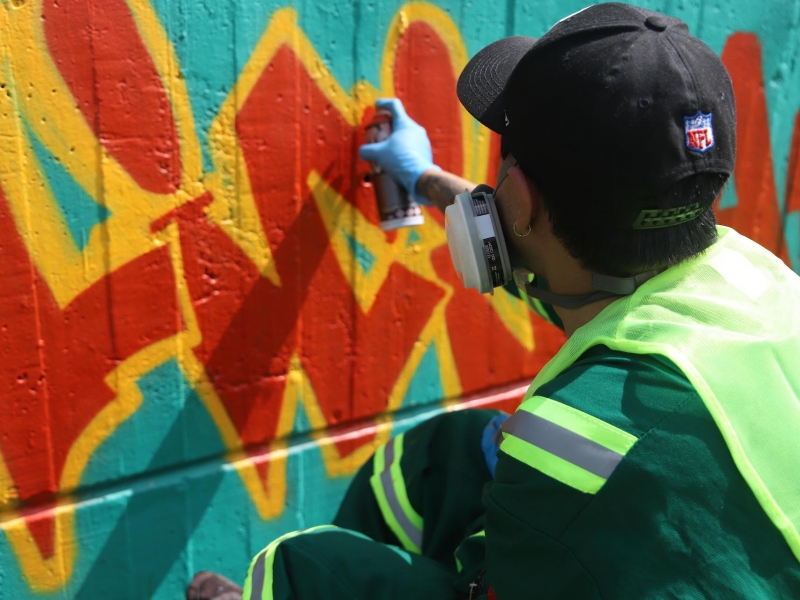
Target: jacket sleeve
525, 561
553, 461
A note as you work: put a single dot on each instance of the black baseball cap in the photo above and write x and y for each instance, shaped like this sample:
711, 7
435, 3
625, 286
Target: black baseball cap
614, 103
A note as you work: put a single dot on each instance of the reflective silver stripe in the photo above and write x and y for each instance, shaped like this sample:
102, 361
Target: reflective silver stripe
562, 442
257, 578
413, 532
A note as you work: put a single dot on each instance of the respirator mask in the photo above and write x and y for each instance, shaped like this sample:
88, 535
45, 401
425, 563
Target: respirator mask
477, 246
483, 260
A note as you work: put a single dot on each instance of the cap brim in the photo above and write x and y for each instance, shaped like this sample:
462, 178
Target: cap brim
482, 82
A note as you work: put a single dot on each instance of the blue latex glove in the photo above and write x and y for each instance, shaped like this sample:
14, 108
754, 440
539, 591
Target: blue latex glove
406, 154
490, 441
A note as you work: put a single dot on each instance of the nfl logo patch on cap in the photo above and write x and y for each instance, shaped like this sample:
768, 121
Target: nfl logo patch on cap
699, 132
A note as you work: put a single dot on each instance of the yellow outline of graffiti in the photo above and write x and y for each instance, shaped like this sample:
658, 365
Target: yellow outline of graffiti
126, 234
68, 271
284, 30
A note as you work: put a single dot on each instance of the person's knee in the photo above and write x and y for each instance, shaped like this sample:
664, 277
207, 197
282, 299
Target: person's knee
328, 562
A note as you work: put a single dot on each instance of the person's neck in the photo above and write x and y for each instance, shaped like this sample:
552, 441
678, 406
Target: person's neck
567, 277
578, 317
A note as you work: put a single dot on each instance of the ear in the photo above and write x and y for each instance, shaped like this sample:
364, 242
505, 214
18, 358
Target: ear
529, 204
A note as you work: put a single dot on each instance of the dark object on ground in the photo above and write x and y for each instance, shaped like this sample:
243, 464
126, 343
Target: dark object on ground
210, 586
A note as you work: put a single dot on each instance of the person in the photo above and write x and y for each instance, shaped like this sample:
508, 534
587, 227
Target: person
655, 455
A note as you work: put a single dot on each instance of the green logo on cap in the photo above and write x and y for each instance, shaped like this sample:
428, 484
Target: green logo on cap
653, 219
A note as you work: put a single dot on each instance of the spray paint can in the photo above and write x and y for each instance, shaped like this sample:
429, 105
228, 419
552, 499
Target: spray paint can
395, 206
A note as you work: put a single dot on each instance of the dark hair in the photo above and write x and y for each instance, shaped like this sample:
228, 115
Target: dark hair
604, 248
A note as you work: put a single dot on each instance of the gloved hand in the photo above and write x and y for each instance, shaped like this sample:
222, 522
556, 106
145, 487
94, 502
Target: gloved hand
491, 439
406, 154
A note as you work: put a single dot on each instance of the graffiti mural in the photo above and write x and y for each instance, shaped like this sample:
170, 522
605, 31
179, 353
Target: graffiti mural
204, 329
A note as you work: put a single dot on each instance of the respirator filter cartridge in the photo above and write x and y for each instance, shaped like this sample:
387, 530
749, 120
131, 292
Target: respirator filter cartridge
475, 238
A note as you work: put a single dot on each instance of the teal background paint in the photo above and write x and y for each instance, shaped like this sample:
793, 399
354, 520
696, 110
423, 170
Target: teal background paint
364, 257
729, 198
159, 499
426, 386
143, 538
80, 211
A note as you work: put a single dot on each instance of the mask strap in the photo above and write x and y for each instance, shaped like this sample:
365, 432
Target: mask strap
605, 287
483, 188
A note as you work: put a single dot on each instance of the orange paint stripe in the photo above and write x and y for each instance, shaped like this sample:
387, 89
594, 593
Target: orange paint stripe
793, 172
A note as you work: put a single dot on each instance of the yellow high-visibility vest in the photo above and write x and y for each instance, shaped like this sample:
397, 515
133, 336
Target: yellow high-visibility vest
730, 320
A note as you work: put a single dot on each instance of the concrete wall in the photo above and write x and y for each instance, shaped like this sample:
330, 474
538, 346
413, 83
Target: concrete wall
203, 331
